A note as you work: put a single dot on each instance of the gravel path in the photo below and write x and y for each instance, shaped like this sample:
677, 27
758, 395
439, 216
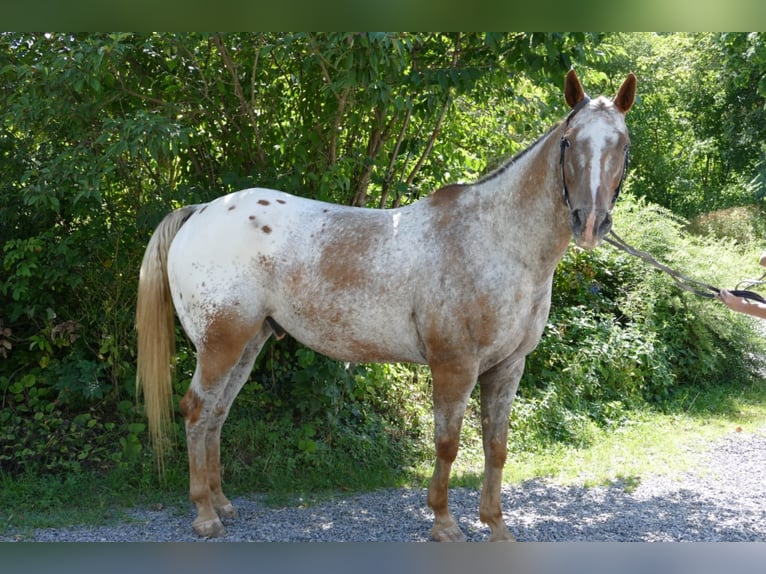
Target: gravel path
723, 500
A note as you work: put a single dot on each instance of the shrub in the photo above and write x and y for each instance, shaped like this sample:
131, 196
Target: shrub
622, 336
37, 435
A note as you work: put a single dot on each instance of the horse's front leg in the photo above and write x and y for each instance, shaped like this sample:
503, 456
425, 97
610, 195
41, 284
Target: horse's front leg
452, 387
498, 389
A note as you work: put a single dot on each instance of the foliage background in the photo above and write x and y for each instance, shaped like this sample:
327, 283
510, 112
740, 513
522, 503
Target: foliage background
103, 134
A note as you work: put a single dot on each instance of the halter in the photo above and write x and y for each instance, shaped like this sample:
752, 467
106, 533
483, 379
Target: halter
565, 144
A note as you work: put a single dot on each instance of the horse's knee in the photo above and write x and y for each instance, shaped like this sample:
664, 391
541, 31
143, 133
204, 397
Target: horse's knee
446, 449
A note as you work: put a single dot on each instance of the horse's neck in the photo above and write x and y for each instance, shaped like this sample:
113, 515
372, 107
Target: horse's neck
525, 198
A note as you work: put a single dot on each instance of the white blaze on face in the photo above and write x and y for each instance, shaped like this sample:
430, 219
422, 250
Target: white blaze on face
598, 137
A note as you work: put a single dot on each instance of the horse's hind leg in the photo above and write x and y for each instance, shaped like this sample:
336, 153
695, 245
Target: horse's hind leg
237, 378
498, 389
452, 386
223, 365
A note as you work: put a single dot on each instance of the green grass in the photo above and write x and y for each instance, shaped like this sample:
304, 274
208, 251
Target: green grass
650, 442
29, 502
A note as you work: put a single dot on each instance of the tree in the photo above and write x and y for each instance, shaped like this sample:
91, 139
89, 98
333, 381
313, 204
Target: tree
102, 134
742, 108
699, 126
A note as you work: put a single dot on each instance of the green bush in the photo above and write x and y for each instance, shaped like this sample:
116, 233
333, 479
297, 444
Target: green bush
622, 336
37, 435
742, 225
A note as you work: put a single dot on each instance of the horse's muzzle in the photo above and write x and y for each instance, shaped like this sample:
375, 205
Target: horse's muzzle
589, 226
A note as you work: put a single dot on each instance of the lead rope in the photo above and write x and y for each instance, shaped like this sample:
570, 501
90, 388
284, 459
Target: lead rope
682, 281
751, 282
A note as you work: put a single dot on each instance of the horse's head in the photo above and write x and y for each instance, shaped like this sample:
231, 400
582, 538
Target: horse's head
594, 157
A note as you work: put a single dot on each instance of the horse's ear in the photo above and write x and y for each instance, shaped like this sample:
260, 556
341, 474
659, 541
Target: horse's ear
573, 89
625, 97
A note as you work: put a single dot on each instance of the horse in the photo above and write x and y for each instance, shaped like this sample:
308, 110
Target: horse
459, 280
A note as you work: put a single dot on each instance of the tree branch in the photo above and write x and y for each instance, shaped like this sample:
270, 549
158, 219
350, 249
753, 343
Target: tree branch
430, 144
246, 109
390, 170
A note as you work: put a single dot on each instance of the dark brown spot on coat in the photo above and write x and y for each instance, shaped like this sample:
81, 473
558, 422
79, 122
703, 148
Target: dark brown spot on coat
282, 201
266, 229
267, 263
498, 452
446, 449
231, 207
446, 195
483, 323
443, 201
251, 218
263, 202
191, 407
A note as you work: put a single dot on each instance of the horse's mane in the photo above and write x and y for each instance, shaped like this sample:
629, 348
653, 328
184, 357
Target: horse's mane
509, 162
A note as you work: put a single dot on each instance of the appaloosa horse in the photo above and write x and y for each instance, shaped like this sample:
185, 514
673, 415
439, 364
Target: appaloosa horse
460, 281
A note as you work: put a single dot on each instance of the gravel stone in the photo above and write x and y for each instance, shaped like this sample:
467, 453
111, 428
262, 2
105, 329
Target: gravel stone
723, 499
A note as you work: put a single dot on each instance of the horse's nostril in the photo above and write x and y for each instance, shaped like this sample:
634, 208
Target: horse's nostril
606, 225
589, 225
575, 221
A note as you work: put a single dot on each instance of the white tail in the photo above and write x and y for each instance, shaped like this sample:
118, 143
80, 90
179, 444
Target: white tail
156, 330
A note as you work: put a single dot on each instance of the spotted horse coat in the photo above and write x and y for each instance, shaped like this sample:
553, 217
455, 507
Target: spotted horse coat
460, 280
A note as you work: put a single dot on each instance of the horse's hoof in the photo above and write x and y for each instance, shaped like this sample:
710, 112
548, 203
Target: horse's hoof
209, 528
502, 536
226, 511
449, 533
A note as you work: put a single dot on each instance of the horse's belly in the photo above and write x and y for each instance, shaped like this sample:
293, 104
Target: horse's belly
361, 351
348, 337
